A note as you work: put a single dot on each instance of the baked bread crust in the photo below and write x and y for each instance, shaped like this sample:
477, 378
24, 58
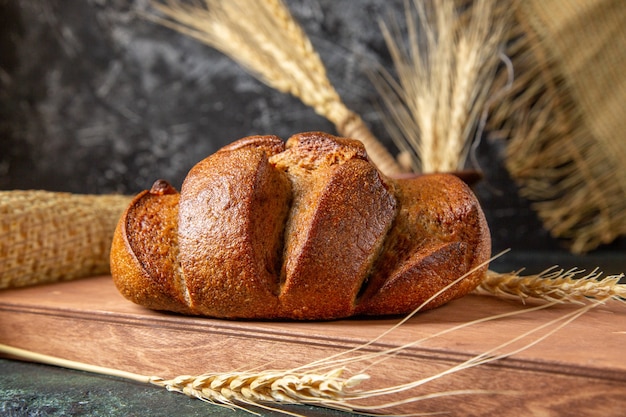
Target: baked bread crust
305, 230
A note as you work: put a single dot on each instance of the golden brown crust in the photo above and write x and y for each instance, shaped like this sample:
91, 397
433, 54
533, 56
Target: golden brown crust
144, 253
341, 213
235, 203
303, 230
439, 235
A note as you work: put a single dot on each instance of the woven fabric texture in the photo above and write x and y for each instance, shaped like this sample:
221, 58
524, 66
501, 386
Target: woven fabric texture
50, 236
566, 116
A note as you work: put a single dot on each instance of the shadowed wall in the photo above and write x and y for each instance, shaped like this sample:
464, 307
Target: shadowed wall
95, 99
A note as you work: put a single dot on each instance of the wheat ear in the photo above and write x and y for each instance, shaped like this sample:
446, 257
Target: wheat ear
263, 37
445, 63
555, 284
230, 388
51, 236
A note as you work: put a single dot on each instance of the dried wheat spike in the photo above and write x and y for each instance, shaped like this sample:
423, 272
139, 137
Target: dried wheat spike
52, 236
445, 62
555, 284
263, 387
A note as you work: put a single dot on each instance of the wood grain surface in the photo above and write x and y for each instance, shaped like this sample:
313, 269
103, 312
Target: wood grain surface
579, 370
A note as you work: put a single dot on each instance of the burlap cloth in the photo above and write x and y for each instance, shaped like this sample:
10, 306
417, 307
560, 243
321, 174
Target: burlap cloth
565, 116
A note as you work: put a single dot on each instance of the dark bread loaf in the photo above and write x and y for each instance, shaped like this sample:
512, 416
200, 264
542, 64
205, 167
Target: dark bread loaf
303, 230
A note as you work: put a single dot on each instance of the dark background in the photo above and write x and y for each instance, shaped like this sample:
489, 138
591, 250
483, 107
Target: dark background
94, 99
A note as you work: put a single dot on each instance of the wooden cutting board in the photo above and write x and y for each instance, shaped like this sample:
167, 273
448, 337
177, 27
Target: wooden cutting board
579, 370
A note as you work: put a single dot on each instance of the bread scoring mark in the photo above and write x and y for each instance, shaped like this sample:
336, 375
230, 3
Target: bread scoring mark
182, 284
340, 215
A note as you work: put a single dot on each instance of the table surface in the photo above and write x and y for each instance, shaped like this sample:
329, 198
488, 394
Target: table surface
29, 389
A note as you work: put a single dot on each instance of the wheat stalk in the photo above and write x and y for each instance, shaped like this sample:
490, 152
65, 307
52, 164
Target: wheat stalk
263, 37
555, 284
240, 389
227, 389
284, 387
445, 64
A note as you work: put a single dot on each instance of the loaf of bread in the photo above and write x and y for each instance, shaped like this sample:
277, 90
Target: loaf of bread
306, 230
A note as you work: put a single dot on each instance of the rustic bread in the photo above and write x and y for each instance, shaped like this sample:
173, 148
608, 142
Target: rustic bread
306, 229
